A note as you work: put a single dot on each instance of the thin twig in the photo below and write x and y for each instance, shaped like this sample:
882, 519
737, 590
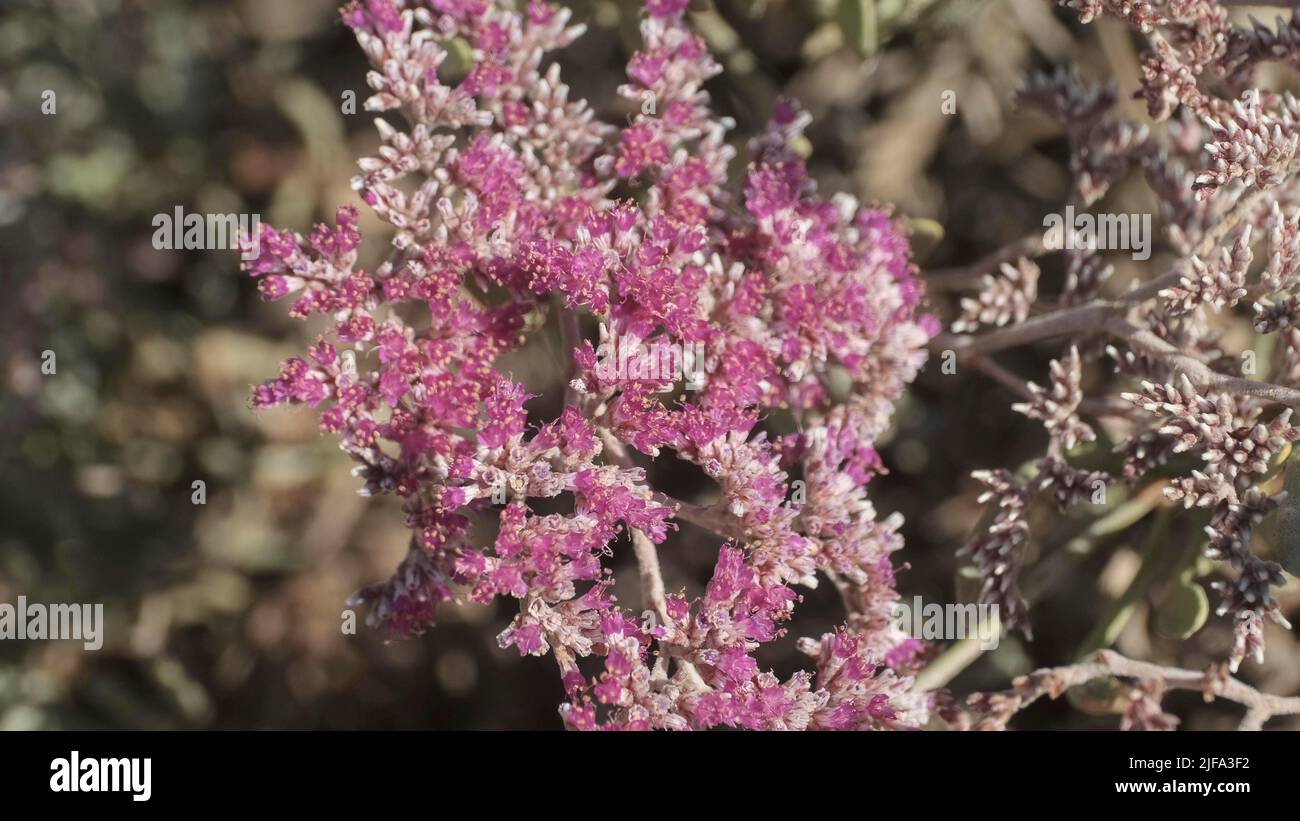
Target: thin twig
647, 557
570, 338
647, 560
1065, 322
652, 581
1212, 683
1198, 372
1018, 386
944, 279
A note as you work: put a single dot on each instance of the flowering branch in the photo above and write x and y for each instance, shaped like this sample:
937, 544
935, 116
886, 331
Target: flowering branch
513, 220
1094, 315
1224, 175
992, 711
1023, 389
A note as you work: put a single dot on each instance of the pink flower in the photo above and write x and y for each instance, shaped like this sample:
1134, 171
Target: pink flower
516, 224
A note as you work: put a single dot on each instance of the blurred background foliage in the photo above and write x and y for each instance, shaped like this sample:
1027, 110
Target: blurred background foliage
228, 614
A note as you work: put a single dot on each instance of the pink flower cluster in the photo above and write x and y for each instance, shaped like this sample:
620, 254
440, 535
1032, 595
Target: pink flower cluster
514, 206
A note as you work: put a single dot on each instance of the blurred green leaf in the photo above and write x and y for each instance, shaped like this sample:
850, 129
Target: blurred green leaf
858, 20
1183, 611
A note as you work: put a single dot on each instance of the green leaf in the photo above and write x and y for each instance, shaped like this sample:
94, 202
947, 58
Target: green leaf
1183, 611
858, 20
926, 234
1099, 454
968, 584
